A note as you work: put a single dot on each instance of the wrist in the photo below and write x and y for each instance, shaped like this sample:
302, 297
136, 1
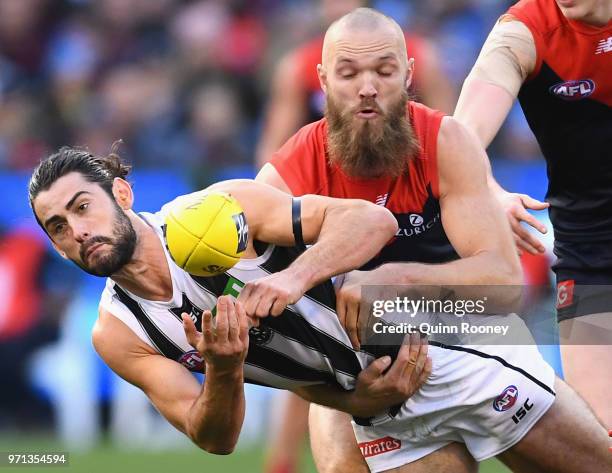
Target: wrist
226, 374
395, 274
353, 405
301, 275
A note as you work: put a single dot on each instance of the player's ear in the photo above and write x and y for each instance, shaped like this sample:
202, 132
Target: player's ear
322, 77
409, 72
122, 191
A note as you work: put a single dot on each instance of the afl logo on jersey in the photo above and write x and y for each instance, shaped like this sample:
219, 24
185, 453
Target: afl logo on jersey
506, 399
573, 89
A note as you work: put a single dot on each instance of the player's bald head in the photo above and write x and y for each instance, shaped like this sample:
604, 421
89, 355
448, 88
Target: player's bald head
342, 33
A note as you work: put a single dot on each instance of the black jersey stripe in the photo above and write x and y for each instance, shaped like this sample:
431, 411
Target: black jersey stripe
280, 365
213, 284
305, 355
292, 325
159, 339
282, 257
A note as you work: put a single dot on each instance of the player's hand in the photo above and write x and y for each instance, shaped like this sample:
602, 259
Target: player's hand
223, 345
348, 304
515, 206
382, 384
271, 294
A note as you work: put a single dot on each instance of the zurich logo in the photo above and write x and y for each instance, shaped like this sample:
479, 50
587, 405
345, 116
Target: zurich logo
416, 220
573, 89
506, 399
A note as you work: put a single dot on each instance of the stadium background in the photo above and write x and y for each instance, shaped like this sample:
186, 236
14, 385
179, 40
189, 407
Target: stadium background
184, 85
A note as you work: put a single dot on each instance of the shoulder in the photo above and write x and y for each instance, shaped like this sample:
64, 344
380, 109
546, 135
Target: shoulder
116, 343
461, 158
420, 113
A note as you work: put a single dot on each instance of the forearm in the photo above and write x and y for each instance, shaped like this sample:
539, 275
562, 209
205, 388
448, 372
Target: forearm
215, 418
480, 277
349, 238
338, 399
484, 268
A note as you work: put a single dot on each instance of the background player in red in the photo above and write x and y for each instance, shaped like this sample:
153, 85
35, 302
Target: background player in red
375, 145
557, 58
296, 97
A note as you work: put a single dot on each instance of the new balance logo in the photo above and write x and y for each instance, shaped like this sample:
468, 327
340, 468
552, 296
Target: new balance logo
604, 46
382, 199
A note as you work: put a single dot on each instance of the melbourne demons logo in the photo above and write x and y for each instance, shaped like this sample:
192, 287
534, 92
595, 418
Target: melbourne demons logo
506, 399
573, 89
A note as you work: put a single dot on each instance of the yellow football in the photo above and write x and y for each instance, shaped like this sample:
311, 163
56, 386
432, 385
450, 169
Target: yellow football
206, 232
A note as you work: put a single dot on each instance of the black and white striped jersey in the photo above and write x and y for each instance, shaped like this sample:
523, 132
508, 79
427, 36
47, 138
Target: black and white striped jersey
305, 345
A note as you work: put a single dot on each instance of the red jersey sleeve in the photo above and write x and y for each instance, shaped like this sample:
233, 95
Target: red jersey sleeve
301, 159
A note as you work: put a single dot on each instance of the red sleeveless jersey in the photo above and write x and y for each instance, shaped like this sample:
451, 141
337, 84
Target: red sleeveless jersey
567, 101
413, 197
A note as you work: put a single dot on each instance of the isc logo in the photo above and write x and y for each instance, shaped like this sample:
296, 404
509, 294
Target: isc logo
522, 412
573, 89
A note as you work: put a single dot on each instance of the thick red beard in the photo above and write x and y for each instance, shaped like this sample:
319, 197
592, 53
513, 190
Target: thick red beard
366, 149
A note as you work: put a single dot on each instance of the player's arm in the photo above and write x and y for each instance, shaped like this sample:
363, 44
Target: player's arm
473, 222
345, 234
286, 110
507, 58
505, 61
210, 415
269, 175
472, 219
379, 386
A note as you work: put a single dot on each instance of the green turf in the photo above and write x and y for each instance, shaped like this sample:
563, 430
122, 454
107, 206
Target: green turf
107, 459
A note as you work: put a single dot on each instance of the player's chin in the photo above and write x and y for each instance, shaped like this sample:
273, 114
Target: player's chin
102, 265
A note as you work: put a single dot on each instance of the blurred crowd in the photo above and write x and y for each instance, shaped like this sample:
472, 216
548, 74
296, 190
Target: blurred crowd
184, 84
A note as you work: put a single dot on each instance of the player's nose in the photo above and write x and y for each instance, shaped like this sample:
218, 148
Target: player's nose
368, 87
81, 231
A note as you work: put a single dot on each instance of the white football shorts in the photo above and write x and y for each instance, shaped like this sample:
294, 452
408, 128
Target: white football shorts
485, 396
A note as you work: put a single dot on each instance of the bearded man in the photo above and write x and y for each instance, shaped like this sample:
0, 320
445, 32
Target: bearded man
376, 145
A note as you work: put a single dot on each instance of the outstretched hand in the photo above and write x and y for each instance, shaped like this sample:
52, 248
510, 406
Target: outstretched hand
516, 206
223, 345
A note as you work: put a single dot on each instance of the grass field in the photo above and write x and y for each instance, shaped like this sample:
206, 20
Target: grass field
106, 459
